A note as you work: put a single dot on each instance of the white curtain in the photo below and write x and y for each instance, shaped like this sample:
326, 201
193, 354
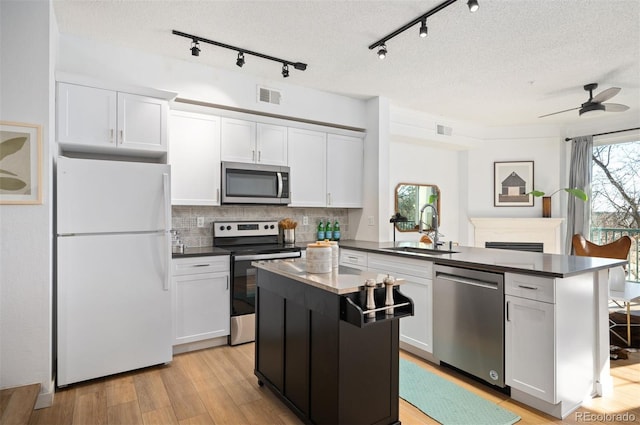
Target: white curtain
578, 212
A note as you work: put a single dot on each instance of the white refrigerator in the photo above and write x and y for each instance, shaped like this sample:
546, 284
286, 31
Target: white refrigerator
113, 260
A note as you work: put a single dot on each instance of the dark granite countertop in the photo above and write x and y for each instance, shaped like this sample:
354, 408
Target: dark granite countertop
495, 260
203, 251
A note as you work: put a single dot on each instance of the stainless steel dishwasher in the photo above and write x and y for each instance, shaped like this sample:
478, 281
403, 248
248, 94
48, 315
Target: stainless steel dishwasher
468, 321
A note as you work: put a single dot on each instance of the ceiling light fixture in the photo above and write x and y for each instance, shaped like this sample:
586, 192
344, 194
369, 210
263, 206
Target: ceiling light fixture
195, 51
382, 51
195, 48
424, 29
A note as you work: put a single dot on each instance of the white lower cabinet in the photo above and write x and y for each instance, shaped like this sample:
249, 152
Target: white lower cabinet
201, 303
353, 258
550, 341
416, 330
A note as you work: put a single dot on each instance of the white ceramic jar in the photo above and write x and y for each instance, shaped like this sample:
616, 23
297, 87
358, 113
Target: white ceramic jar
319, 258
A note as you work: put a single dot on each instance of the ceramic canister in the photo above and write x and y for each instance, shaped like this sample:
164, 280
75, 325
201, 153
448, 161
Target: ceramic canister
319, 258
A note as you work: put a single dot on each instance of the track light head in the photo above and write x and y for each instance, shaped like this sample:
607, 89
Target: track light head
423, 28
240, 60
473, 5
285, 70
195, 48
382, 52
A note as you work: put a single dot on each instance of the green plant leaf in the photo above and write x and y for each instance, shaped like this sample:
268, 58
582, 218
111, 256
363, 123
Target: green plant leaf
11, 146
536, 193
432, 198
7, 172
577, 193
9, 183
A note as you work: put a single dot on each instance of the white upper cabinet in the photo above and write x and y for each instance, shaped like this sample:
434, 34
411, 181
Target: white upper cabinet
307, 160
194, 155
99, 120
247, 141
345, 161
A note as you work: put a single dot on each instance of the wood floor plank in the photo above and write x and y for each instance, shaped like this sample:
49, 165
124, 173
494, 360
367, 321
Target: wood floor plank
203, 419
124, 414
182, 393
121, 392
91, 407
18, 404
151, 392
221, 407
161, 416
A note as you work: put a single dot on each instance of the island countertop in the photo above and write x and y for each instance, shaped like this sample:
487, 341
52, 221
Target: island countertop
494, 260
342, 280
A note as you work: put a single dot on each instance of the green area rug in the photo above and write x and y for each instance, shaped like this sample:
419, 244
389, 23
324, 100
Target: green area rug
446, 402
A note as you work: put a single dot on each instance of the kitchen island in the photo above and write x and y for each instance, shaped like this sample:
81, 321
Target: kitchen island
555, 314
327, 356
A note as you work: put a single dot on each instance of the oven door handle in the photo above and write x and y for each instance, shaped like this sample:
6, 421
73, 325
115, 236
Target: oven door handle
272, 256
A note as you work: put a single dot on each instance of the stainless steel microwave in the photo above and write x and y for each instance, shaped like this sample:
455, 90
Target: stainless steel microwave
255, 184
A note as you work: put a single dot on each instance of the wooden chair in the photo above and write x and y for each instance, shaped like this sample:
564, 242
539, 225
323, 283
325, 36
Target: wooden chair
620, 291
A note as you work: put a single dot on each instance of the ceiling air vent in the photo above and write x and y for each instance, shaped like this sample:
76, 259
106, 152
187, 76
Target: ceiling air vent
445, 131
269, 96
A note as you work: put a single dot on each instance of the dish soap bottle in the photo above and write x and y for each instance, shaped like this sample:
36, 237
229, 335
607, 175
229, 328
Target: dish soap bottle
336, 231
320, 235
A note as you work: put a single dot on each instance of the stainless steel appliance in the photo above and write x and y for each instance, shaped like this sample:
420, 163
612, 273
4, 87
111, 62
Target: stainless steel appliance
468, 321
247, 242
255, 184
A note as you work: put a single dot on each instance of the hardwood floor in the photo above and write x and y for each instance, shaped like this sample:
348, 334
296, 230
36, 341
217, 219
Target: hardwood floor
217, 386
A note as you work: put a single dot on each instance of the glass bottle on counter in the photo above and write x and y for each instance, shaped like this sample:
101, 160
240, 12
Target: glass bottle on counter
336, 231
328, 231
321, 233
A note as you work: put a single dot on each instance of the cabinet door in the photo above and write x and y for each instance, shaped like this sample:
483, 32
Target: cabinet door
194, 155
529, 347
86, 116
307, 161
142, 122
272, 144
238, 140
344, 171
417, 330
201, 307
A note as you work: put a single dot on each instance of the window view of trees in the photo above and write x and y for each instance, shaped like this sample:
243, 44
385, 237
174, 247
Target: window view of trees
615, 196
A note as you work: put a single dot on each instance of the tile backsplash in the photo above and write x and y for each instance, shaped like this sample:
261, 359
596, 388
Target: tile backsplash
185, 220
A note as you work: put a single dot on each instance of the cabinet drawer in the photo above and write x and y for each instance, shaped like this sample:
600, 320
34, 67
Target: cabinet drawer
355, 259
400, 265
198, 265
530, 287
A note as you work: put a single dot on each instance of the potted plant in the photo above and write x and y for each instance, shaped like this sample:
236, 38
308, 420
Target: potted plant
546, 199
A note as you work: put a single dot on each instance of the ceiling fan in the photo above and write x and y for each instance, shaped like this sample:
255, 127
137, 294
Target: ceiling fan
594, 103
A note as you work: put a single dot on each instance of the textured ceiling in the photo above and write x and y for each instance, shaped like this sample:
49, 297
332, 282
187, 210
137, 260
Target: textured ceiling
506, 64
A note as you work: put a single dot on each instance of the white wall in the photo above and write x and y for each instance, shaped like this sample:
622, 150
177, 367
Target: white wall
203, 83
26, 242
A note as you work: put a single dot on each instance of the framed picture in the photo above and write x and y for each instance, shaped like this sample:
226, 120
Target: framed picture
511, 183
20, 163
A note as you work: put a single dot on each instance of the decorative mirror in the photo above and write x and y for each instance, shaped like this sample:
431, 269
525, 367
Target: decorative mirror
410, 198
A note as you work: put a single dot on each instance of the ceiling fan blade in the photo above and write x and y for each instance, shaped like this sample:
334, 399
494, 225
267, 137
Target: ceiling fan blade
614, 107
559, 112
606, 94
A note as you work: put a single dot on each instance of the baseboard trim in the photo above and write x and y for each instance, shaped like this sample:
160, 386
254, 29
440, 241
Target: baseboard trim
45, 398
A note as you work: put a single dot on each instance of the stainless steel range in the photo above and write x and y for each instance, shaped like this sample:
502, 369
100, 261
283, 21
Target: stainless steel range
248, 241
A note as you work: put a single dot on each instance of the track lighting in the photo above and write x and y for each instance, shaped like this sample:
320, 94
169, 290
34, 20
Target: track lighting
423, 28
195, 51
422, 19
240, 60
195, 48
382, 52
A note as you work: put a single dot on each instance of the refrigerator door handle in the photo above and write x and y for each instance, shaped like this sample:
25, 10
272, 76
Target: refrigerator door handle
166, 185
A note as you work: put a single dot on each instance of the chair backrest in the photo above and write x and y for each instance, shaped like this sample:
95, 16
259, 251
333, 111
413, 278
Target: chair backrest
618, 249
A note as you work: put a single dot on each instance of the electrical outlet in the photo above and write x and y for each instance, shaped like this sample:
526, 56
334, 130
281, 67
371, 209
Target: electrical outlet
305, 220
371, 220
200, 221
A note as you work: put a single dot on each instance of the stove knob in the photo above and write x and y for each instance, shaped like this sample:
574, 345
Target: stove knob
221, 227
266, 226
228, 227
271, 227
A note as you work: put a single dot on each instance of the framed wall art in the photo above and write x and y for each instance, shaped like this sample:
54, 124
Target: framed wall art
20, 163
512, 181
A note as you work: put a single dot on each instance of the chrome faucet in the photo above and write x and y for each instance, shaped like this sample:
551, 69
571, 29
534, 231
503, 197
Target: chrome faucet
434, 223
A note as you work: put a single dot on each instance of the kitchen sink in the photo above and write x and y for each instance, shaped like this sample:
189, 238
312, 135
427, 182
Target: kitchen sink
416, 250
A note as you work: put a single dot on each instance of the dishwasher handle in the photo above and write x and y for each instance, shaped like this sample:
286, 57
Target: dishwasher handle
467, 281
